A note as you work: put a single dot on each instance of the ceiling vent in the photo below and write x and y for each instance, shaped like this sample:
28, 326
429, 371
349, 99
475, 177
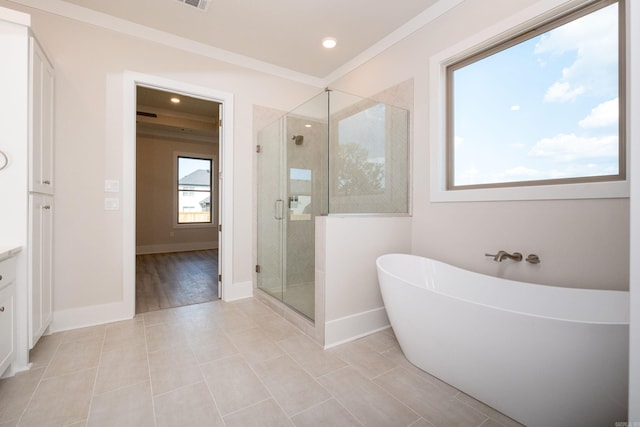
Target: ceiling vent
202, 5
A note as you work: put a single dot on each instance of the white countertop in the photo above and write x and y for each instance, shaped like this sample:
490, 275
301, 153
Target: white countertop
8, 251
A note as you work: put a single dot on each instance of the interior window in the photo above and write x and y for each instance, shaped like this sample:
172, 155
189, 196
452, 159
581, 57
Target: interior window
360, 163
194, 190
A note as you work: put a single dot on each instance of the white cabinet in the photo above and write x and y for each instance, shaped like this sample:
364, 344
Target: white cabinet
27, 183
7, 312
41, 84
39, 248
40, 265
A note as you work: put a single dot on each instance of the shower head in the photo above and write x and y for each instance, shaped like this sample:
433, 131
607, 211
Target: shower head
298, 139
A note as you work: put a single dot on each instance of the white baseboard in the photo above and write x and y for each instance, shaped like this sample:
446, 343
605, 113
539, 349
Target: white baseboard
81, 317
13, 370
175, 247
237, 291
74, 318
349, 328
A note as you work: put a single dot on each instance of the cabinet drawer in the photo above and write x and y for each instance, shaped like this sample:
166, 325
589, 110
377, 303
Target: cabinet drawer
7, 271
7, 319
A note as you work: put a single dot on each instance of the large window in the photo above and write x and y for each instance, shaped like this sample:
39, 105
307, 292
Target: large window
194, 188
545, 107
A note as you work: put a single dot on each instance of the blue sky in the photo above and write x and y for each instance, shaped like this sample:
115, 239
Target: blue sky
190, 165
546, 108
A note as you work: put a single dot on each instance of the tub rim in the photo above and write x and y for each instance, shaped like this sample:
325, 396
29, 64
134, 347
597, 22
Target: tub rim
501, 280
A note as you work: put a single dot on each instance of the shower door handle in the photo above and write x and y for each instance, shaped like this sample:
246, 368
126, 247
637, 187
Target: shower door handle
278, 209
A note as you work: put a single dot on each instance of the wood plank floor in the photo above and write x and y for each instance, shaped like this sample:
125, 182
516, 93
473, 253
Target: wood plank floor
176, 279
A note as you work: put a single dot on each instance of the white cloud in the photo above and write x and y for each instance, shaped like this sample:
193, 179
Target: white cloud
566, 148
515, 108
521, 172
604, 114
563, 92
467, 177
457, 140
592, 40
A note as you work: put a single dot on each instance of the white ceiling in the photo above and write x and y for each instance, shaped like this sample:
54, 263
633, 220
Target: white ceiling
282, 33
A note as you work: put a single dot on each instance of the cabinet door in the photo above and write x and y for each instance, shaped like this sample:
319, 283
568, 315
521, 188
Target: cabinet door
40, 265
7, 325
41, 84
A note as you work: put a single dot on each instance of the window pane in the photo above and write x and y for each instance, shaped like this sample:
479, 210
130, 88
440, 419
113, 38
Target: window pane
544, 109
194, 190
361, 152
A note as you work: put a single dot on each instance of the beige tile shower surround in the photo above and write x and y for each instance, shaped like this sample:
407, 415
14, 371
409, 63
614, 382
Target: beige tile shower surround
227, 364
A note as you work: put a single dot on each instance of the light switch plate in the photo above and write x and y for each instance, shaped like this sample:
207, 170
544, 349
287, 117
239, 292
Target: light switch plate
111, 186
111, 204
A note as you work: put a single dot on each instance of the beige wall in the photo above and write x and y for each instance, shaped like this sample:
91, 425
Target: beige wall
582, 243
89, 63
155, 191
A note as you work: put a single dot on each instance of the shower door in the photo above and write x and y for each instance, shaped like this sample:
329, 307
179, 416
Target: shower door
270, 211
292, 191
286, 226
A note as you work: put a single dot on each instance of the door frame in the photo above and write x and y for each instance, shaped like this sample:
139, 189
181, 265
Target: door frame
131, 80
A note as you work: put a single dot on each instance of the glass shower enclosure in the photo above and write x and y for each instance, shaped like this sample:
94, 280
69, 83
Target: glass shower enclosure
335, 154
292, 191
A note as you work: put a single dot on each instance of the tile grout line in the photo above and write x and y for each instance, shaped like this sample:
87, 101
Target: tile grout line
439, 387
204, 379
245, 408
24, 411
95, 380
396, 398
371, 380
323, 387
146, 348
455, 396
258, 376
213, 399
264, 385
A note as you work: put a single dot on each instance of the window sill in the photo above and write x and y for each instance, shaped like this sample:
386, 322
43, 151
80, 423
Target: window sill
196, 225
594, 190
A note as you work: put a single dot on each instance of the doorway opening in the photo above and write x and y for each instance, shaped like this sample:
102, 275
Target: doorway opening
178, 204
131, 81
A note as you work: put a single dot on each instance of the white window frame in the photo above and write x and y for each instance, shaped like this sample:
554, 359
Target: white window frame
214, 212
542, 11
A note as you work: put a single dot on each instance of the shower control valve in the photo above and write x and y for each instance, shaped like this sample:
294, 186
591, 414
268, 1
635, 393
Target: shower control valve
533, 259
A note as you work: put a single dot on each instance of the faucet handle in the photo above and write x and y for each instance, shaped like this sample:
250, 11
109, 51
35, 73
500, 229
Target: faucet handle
533, 259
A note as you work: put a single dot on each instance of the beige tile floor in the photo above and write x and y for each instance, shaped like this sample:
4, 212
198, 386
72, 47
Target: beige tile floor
227, 364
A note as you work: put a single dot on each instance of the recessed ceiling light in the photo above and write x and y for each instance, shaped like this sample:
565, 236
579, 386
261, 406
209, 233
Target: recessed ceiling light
307, 125
175, 100
329, 42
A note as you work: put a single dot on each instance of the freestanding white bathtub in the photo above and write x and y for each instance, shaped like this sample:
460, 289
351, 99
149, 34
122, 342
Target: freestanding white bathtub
545, 356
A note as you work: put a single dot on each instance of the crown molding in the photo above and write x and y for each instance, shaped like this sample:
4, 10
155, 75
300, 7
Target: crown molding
109, 22
112, 23
418, 22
